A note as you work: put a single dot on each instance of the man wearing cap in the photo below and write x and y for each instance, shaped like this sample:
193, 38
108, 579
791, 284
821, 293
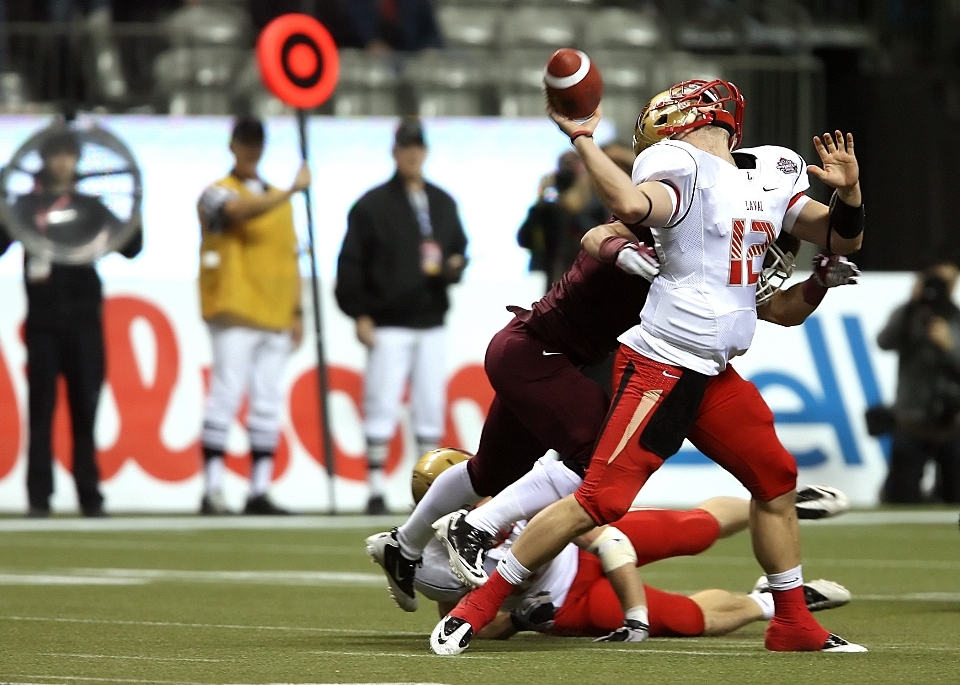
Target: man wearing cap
250, 299
64, 329
404, 246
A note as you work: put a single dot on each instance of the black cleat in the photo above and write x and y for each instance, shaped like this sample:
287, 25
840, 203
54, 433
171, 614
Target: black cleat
262, 506
466, 546
376, 506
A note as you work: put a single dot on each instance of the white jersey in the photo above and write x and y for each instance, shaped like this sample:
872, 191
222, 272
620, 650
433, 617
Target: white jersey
701, 311
436, 581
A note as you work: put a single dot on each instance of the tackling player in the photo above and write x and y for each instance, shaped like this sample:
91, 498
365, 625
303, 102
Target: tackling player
713, 216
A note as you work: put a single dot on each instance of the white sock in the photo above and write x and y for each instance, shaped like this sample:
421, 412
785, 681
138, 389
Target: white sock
376, 458
638, 614
512, 570
260, 476
213, 470
765, 600
547, 482
786, 580
450, 491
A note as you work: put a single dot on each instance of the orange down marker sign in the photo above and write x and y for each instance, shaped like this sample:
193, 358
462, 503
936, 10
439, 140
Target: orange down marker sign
298, 60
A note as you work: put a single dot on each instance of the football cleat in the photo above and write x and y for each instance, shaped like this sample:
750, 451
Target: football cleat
465, 545
837, 645
820, 502
262, 506
213, 504
451, 636
820, 594
383, 549
630, 631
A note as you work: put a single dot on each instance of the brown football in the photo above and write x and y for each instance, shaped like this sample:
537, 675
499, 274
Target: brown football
572, 83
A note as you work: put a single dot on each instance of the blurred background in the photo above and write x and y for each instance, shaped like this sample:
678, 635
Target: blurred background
167, 76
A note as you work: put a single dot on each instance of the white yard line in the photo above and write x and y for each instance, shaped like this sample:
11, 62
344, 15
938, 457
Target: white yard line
63, 579
133, 658
351, 522
134, 576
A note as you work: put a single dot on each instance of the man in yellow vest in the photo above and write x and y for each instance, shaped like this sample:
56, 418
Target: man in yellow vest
250, 299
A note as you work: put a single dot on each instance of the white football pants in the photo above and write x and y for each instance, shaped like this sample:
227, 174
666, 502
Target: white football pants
246, 361
398, 355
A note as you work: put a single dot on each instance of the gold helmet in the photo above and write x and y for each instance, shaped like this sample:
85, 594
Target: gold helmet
778, 265
431, 465
689, 105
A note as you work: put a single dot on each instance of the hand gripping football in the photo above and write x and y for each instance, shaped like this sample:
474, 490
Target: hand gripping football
572, 84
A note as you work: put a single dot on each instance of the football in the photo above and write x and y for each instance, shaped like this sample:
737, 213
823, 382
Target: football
572, 84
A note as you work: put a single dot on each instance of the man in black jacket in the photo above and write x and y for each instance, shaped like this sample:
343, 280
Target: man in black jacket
404, 246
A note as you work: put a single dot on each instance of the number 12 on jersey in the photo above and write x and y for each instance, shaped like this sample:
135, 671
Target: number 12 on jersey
745, 248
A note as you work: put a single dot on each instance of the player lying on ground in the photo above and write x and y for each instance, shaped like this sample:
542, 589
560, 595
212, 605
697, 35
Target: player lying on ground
713, 214
573, 594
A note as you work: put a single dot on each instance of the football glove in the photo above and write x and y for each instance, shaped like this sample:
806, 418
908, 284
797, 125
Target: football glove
829, 271
639, 259
534, 613
630, 631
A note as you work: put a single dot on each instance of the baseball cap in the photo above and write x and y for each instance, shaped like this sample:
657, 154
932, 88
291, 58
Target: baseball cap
409, 132
248, 131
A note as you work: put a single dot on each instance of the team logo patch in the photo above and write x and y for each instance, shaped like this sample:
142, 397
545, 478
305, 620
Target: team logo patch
787, 166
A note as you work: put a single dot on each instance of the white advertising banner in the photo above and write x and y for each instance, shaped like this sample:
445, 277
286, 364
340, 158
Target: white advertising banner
818, 378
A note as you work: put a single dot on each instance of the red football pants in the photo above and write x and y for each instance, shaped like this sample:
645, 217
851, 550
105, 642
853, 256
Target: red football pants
733, 427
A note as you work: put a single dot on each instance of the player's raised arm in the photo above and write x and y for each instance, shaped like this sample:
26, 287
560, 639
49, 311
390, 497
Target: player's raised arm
648, 204
839, 227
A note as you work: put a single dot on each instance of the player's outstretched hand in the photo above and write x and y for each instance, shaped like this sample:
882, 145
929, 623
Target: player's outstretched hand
571, 126
832, 270
840, 168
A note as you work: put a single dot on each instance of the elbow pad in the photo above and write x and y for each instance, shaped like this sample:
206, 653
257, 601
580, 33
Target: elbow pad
845, 221
614, 549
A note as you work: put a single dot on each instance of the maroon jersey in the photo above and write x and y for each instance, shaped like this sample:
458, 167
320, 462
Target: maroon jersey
585, 311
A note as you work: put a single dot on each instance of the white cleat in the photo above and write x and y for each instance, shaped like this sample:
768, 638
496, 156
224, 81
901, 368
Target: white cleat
384, 550
451, 636
819, 594
820, 502
837, 645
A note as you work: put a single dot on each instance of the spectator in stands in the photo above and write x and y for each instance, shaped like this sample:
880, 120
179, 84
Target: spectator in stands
926, 333
63, 331
404, 246
565, 209
407, 25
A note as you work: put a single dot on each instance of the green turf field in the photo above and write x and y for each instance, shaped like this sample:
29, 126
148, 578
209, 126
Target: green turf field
303, 605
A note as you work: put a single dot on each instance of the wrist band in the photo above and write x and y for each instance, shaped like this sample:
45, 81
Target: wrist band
813, 292
845, 221
580, 134
610, 247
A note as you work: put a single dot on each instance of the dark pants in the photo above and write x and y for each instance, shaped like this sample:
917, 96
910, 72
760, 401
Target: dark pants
77, 354
910, 456
542, 402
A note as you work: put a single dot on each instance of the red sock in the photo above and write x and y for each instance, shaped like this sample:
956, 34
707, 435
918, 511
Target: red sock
793, 628
480, 606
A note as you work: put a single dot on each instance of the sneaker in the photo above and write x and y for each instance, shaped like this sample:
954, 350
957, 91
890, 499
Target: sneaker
630, 631
837, 645
262, 506
376, 506
820, 594
465, 545
213, 504
383, 549
820, 502
451, 636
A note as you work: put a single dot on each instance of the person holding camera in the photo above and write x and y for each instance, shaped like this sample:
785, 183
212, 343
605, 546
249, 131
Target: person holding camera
925, 332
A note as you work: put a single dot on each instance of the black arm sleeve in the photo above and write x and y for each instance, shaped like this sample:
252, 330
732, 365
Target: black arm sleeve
349, 289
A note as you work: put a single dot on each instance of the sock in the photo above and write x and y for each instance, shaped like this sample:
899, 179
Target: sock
480, 606
213, 469
765, 600
512, 570
451, 490
787, 580
425, 445
261, 473
638, 614
547, 482
376, 458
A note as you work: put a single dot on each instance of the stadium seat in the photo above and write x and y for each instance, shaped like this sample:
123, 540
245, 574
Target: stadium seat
367, 85
536, 26
620, 28
519, 82
204, 67
209, 25
472, 27
446, 86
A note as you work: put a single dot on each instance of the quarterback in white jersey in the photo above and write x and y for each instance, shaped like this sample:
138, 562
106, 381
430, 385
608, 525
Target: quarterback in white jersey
713, 217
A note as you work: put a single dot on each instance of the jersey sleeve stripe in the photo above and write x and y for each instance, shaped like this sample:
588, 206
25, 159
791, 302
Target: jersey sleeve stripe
674, 198
797, 203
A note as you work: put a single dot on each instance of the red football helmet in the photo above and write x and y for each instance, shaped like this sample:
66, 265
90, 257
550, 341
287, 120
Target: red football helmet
689, 105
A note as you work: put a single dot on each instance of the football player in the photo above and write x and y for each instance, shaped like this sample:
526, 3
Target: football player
573, 594
713, 213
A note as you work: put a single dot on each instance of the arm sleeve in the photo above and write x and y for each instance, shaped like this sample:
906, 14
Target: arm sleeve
673, 166
798, 196
349, 288
211, 206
